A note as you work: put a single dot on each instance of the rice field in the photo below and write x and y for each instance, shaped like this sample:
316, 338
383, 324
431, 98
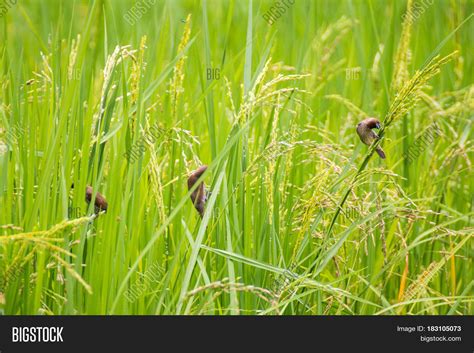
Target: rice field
125, 99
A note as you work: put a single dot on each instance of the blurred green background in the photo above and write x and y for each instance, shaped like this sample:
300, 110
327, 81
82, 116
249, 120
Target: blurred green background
276, 126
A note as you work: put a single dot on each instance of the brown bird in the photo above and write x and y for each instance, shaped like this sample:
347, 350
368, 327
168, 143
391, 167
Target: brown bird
367, 136
200, 194
100, 203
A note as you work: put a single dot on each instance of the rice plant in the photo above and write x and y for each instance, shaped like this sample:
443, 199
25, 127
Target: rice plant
107, 108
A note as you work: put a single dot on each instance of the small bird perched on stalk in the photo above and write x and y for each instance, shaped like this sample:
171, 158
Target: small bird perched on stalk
200, 194
367, 136
100, 203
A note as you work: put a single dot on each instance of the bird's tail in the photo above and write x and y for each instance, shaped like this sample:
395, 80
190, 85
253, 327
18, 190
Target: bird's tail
380, 152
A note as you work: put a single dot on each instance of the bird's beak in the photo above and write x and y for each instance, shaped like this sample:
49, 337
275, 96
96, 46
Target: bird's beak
377, 125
